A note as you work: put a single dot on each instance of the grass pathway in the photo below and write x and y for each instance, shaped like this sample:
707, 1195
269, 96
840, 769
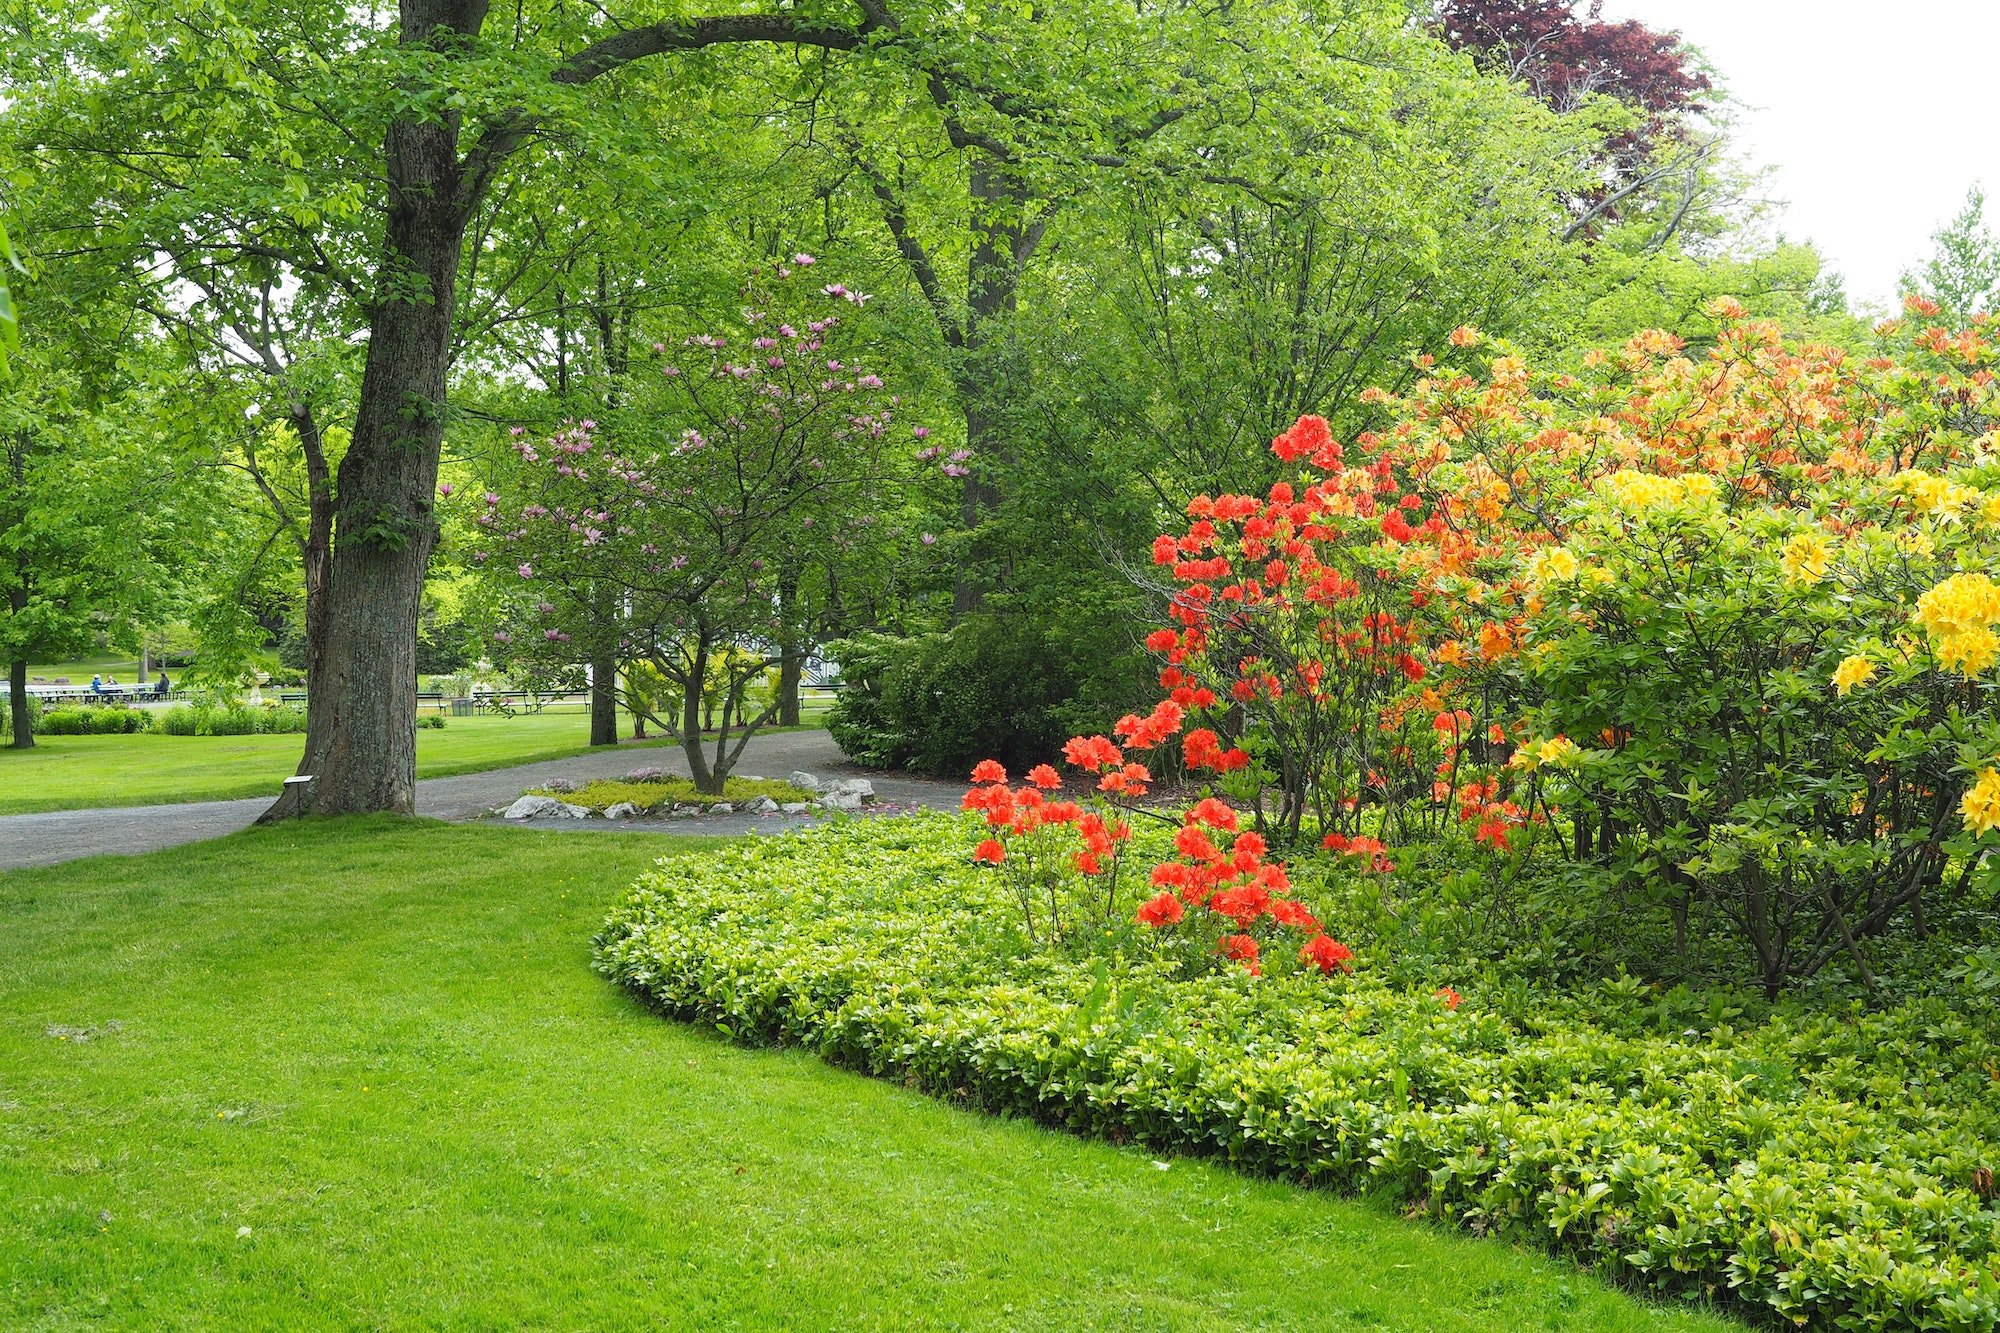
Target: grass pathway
361, 1077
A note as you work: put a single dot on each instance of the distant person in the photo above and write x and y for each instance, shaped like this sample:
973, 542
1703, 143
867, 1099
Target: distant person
111, 684
97, 684
163, 685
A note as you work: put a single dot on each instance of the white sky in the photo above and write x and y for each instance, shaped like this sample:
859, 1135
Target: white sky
1878, 117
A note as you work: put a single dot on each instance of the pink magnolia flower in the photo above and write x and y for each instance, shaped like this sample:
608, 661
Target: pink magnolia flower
527, 571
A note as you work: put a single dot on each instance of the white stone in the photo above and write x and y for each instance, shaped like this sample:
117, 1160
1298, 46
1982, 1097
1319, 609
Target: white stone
722, 808
805, 782
530, 806
796, 807
860, 788
622, 810
841, 799
759, 805
564, 810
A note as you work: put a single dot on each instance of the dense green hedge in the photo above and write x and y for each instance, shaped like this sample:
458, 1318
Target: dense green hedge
103, 720
1824, 1168
230, 720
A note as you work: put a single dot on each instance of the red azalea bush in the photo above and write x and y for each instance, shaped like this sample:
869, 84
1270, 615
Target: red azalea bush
1211, 902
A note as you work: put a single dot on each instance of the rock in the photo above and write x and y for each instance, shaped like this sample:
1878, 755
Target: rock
622, 810
859, 788
722, 808
683, 811
530, 806
748, 777
760, 805
841, 799
805, 782
796, 807
564, 810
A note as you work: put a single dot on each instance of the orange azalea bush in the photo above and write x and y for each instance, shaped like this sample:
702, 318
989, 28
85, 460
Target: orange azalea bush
1720, 627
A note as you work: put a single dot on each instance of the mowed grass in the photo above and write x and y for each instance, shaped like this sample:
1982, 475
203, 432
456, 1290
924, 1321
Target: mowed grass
80, 772
359, 1075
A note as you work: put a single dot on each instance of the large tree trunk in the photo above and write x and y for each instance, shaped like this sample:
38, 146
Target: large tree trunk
17, 703
361, 711
603, 699
990, 371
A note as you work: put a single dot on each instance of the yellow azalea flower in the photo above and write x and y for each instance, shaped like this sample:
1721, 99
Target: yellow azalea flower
1643, 490
1916, 542
1936, 496
1806, 558
1968, 651
1981, 805
1699, 486
1553, 564
1962, 602
1853, 670
1558, 750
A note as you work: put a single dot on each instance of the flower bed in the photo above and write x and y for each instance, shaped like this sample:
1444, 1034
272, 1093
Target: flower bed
651, 792
1830, 1169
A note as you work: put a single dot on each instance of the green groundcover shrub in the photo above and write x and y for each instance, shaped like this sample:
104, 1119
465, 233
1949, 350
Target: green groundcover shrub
1829, 1170
110, 720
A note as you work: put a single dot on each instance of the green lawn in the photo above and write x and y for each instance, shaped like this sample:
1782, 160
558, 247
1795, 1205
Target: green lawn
76, 772
359, 1075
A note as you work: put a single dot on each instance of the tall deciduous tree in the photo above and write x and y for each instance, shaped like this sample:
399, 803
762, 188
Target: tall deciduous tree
1963, 272
86, 508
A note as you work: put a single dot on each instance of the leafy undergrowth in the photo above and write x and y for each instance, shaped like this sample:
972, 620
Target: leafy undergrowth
358, 1075
1826, 1170
603, 793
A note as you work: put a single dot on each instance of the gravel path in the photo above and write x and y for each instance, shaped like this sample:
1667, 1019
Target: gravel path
66, 835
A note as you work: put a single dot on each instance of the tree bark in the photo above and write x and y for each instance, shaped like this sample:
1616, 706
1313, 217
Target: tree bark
791, 656
989, 372
603, 699
17, 703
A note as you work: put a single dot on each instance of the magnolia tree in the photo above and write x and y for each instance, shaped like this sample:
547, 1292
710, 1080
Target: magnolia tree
669, 535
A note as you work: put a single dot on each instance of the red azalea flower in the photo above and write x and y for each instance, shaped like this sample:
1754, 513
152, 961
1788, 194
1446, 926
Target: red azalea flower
1213, 813
1450, 997
1164, 910
1241, 948
988, 770
1045, 777
1288, 913
990, 851
1192, 843
1327, 954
